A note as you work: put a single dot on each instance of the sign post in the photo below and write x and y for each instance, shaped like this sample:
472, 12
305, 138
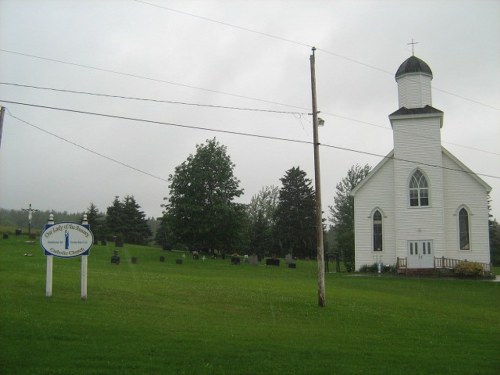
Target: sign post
67, 240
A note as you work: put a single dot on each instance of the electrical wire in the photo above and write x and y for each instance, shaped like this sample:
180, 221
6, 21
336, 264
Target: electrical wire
150, 78
233, 133
86, 148
154, 100
304, 45
300, 114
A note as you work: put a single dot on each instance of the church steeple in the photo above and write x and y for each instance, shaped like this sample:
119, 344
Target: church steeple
414, 83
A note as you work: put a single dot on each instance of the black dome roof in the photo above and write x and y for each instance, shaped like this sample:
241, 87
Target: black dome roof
413, 65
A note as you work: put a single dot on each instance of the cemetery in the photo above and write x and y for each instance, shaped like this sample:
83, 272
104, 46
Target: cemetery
151, 311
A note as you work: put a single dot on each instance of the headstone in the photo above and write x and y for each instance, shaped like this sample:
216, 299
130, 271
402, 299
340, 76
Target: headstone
178, 261
162, 258
235, 260
134, 260
196, 256
253, 260
245, 258
103, 242
272, 262
19, 232
5, 236
115, 259
288, 258
292, 265
119, 242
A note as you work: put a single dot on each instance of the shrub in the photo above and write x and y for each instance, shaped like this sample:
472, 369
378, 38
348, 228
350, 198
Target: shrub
386, 268
468, 269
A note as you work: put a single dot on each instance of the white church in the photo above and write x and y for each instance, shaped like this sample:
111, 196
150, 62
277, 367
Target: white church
420, 207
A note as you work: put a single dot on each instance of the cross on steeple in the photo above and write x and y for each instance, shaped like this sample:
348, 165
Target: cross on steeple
412, 46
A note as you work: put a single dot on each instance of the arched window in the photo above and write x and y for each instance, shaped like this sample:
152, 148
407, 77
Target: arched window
377, 231
463, 228
419, 190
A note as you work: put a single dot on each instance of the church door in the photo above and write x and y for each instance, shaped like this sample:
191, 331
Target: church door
420, 254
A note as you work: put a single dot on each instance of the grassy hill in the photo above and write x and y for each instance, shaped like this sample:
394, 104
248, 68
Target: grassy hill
211, 317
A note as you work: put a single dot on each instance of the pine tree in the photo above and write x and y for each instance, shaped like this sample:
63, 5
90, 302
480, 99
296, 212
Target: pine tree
295, 227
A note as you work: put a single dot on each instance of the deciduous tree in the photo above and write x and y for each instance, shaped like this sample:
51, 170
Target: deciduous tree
200, 211
342, 213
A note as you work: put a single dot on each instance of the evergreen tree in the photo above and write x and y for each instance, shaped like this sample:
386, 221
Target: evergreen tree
96, 222
127, 222
295, 223
135, 224
342, 213
200, 212
261, 215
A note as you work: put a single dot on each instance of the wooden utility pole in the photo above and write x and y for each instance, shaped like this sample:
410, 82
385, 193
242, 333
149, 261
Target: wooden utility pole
319, 217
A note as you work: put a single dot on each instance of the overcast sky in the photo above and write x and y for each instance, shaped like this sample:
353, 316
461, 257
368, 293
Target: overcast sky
246, 54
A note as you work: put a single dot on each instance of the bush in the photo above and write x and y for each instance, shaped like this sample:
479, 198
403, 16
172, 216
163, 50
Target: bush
468, 269
386, 268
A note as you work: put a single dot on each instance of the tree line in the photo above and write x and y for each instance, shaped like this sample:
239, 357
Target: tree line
201, 213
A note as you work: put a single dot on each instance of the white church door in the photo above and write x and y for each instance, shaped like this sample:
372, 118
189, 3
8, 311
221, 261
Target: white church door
420, 254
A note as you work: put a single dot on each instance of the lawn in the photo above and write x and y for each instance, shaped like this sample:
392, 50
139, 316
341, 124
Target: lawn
211, 317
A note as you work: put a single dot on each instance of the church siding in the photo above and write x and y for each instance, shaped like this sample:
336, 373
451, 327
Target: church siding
377, 194
414, 91
418, 140
464, 191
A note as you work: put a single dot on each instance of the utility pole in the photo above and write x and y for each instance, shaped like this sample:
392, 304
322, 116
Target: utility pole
317, 183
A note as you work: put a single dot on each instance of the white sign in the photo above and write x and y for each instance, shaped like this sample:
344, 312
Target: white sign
67, 240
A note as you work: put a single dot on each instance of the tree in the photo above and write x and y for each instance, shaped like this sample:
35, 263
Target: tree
114, 218
342, 213
261, 215
295, 226
135, 224
96, 222
494, 229
126, 221
200, 212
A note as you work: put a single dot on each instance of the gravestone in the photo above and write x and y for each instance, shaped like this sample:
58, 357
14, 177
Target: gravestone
103, 242
162, 259
134, 260
292, 265
178, 261
5, 236
288, 258
19, 232
115, 259
253, 260
272, 262
235, 260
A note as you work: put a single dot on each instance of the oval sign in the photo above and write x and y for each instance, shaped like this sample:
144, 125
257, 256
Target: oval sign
67, 240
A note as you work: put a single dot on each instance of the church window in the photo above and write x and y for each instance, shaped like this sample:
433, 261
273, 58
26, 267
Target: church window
377, 231
419, 190
463, 227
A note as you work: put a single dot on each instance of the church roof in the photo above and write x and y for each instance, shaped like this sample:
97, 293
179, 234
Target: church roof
413, 65
403, 111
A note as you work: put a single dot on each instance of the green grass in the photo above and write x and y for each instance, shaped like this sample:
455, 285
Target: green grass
214, 318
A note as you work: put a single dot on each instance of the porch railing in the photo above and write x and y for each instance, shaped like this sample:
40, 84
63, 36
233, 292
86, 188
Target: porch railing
439, 263
449, 263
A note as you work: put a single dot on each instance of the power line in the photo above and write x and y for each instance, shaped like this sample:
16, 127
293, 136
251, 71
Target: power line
153, 100
303, 45
236, 108
228, 132
149, 78
225, 24
86, 148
